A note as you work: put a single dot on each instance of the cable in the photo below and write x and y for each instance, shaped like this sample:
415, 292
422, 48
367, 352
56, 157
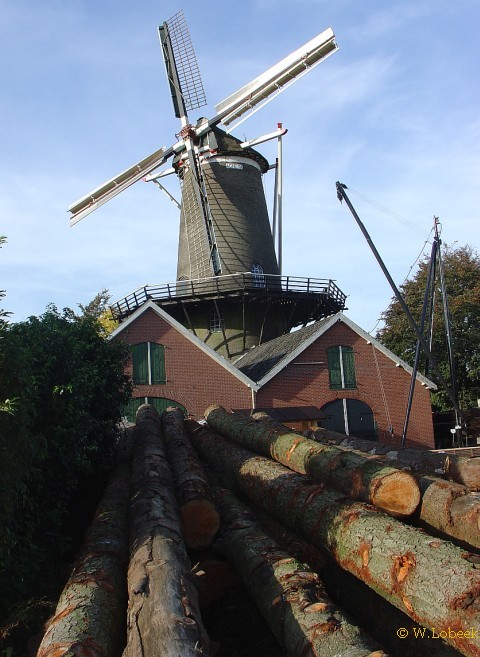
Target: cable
391, 213
427, 241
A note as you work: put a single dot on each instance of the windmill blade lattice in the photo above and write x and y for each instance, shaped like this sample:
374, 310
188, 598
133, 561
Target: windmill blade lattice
189, 78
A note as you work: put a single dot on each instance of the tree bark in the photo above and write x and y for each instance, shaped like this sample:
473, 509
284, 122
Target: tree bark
378, 617
90, 617
199, 517
163, 615
292, 542
359, 477
433, 581
382, 619
289, 595
464, 470
450, 509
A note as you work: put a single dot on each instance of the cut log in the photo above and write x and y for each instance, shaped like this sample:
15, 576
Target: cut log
90, 615
200, 518
289, 595
384, 621
292, 542
356, 475
436, 583
450, 509
441, 509
163, 608
464, 470
378, 617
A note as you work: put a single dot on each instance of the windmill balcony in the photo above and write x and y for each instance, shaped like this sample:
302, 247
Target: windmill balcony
318, 296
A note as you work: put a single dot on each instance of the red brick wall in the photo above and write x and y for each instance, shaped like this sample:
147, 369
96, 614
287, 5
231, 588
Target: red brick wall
305, 385
196, 380
193, 378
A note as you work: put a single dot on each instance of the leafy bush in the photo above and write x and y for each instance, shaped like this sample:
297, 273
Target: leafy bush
56, 446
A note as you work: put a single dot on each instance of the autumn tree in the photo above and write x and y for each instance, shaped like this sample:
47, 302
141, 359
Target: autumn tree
462, 279
99, 308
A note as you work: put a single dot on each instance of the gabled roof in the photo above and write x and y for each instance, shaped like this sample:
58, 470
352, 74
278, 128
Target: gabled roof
151, 305
264, 362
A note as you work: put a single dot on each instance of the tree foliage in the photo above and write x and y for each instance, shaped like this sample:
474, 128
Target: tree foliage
6, 405
56, 447
99, 309
462, 278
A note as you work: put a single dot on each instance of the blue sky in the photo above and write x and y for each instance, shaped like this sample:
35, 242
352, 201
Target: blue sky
394, 115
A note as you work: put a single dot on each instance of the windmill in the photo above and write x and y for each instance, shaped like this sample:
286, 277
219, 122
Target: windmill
228, 267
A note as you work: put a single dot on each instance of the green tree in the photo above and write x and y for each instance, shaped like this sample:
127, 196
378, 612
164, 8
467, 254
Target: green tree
99, 309
6, 405
462, 279
56, 448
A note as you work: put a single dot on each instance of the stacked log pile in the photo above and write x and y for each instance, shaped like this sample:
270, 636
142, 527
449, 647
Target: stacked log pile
325, 539
433, 581
447, 508
451, 464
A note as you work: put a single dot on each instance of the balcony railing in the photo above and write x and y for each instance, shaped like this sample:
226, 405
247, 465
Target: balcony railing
232, 284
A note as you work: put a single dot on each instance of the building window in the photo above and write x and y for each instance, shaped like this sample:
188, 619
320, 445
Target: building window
341, 368
258, 278
148, 363
216, 322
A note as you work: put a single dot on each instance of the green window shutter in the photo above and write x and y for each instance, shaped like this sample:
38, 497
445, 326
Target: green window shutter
157, 361
348, 368
334, 371
140, 363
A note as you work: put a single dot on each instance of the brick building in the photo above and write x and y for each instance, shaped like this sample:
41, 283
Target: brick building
332, 370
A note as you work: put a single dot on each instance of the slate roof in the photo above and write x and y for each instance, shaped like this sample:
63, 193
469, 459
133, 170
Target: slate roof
260, 360
265, 361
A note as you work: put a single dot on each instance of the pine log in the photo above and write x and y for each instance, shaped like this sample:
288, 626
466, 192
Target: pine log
464, 470
378, 617
292, 542
90, 617
289, 595
163, 614
450, 509
382, 619
436, 583
361, 478
441, 508
199, 517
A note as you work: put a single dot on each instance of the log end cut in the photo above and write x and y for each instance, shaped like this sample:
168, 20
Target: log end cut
398, 494
210, 409
200, 523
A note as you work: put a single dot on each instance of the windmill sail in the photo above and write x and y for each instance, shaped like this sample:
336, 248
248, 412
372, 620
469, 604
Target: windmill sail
257, 93
114, 186
229, 291
181, 66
